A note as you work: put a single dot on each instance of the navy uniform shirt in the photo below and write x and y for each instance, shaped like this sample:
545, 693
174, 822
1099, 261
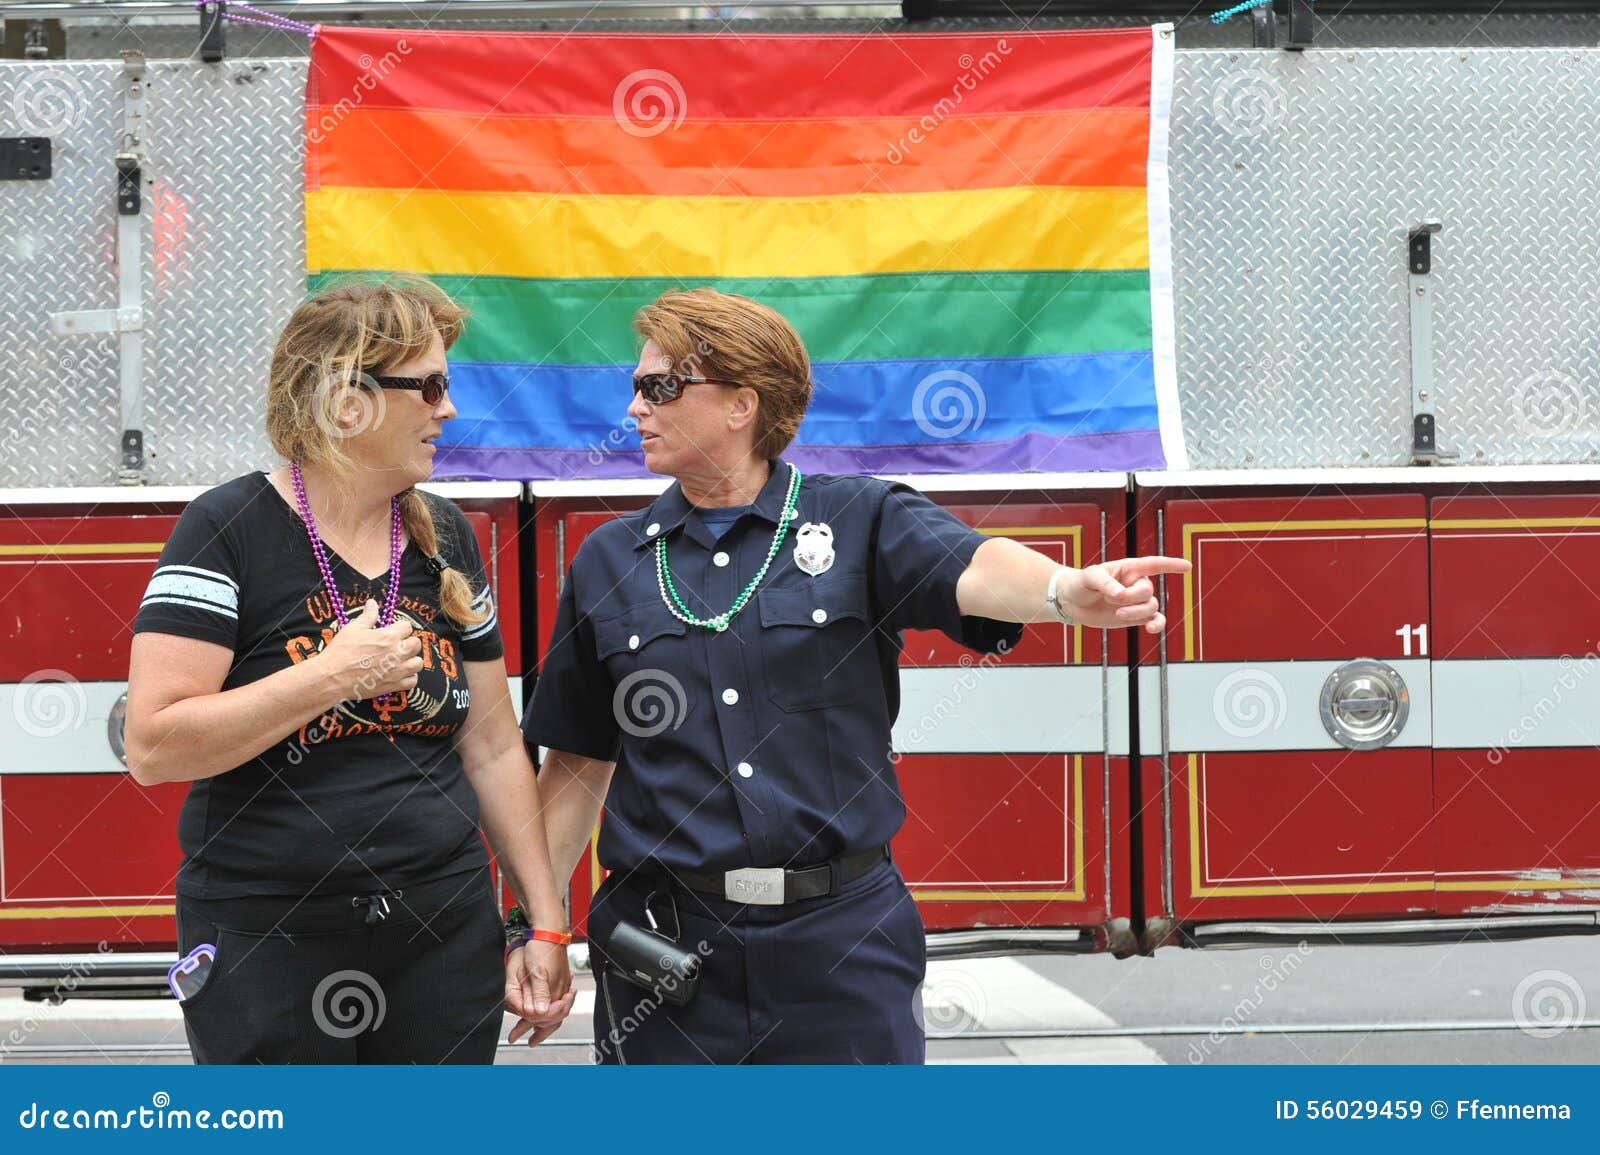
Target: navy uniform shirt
766, 744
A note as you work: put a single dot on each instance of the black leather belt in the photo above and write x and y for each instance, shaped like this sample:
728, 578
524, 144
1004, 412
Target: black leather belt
774, 886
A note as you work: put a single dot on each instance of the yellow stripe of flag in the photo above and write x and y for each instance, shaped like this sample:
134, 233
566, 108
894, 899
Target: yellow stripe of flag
541, 235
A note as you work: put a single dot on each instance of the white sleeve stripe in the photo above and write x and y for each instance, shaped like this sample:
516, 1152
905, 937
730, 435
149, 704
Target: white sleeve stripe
212, 574
183, 585
193, 605
485, 627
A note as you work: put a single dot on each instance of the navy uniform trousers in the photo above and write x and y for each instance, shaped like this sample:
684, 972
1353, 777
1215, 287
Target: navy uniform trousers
833, 979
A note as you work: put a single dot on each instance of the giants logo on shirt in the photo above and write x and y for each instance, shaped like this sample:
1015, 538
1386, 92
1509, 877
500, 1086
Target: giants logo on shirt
441, 687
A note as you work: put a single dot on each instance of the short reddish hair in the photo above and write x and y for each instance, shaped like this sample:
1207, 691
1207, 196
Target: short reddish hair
707, 333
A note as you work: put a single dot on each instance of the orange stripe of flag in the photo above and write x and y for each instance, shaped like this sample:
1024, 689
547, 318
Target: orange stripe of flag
430, 149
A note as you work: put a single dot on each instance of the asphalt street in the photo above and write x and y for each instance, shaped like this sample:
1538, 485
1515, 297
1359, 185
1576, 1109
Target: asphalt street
1527, 1002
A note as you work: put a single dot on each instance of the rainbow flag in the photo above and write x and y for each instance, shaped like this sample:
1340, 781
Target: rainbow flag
970, 231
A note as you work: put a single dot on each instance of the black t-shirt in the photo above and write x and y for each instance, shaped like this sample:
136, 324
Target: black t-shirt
337, 807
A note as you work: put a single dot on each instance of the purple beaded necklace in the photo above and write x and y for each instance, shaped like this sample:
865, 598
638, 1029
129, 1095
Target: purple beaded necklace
392, 595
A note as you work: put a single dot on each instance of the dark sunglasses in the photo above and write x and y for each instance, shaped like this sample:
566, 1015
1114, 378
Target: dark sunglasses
660, 388
433, 387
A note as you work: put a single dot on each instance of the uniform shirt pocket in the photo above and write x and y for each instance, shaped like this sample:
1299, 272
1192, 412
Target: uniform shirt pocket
816, 643
643, 650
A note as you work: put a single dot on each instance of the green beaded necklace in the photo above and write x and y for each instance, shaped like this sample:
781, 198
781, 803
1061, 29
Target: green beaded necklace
669, 591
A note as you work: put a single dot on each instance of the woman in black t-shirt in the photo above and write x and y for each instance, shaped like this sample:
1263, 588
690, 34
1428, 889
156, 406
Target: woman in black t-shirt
318, 654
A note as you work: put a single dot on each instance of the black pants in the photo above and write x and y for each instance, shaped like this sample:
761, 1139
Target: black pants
309, 981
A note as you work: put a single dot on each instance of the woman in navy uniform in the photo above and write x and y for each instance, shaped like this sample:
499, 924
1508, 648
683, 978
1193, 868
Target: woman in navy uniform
723, 674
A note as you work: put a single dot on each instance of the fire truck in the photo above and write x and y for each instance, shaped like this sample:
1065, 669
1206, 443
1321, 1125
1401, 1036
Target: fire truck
1373, 715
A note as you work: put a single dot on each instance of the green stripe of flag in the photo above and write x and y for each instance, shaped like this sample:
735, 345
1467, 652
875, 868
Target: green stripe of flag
868, 318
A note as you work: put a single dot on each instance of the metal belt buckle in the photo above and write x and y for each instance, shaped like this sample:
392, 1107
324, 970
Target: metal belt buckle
759, 886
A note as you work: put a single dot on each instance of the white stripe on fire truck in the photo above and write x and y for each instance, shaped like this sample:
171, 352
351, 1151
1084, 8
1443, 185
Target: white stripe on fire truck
58, 727
1218, 707
1117, 724
68, 735
1506, 703
1014, 710
1538, 703
1455, 704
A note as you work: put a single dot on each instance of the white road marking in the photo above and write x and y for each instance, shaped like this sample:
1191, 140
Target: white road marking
1001, 994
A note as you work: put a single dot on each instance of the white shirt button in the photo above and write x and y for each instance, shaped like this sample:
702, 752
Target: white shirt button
745, 769
719, 558
819, 616
731, 697
652, 529
633, 642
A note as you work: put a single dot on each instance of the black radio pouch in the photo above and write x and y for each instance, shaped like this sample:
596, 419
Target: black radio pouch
654, 962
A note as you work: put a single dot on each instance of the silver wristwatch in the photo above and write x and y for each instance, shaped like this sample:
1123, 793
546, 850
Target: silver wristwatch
1055, 602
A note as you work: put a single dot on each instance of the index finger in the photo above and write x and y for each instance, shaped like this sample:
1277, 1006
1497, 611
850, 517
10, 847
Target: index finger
519, 1001
1138, 567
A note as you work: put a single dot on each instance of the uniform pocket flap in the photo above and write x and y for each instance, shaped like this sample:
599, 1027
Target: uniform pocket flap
815, 603
634, 629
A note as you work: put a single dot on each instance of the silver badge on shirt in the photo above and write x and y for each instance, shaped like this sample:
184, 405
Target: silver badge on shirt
813, 548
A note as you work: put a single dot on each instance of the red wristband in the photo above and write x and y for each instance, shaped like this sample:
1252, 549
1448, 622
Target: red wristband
559, 937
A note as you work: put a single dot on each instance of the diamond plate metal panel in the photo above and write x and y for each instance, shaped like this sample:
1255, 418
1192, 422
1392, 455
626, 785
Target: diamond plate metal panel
59, 397
228, 265
1295, 177
224, 245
